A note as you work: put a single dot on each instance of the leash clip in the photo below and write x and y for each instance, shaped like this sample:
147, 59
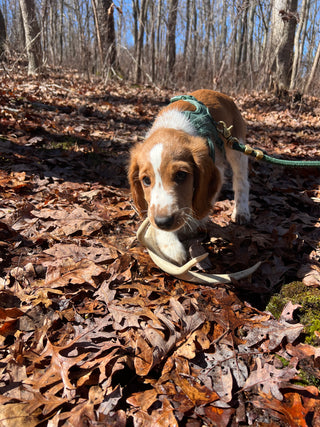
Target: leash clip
226, 133
224, 130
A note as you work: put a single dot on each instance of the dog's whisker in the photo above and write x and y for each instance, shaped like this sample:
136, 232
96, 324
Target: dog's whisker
187, 215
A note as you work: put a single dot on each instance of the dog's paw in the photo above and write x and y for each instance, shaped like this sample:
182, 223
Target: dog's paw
240, 217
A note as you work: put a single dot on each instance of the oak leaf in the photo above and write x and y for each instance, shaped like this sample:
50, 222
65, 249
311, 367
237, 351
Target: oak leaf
66, 272
95, 254
143, 400
269, 379
290, 411
143, 361
14, 414
197, 393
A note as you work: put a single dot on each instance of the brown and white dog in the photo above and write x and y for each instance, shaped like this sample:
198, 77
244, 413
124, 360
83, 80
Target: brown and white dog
174, 180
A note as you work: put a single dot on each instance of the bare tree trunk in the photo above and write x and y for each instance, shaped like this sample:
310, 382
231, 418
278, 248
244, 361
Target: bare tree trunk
98, 32
208, 26
142, 17
84, 53
193, 60
313, 70
235, 48
284, 20
61, 32
158, 29
32, 35
53, 13
105, 32
224, 27
241, 48
299, 41
44, 29
153, 41
186, 38
252, 11
119, 24
220, 45
171, 38
263, 62
3, 37
135, 12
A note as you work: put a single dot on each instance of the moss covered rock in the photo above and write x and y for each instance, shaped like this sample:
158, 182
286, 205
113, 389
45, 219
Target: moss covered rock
308, 314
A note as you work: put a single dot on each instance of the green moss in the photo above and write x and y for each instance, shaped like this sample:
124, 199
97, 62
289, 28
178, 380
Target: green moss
315, 326
308, 314
308, 379
276, 305
284, 361
67, 145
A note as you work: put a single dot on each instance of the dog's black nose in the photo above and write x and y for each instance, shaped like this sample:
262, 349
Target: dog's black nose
164, 222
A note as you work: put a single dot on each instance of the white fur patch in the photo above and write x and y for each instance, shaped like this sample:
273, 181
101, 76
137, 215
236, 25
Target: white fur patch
170, 246
159, 196
173, 119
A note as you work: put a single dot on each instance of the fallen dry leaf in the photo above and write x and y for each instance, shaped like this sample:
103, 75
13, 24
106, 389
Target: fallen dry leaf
269, 378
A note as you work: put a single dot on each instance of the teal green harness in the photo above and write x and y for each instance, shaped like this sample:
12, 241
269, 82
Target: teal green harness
206, 127
203, 122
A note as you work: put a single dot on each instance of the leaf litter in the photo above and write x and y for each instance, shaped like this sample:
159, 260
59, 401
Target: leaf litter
91, 332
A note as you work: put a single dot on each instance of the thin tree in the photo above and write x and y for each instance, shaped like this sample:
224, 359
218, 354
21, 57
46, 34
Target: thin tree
32, 35
194, 49
157, 19
313, 69
141, 18
186, 37
241, 39
3, 36
252, 12
299, 41
52, 26
61, 32
208, 25
152, 41
171, 38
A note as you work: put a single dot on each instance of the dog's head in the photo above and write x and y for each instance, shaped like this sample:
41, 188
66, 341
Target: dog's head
172, 178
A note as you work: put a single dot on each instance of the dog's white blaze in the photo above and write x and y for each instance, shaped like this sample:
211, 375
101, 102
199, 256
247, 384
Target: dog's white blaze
173, 119
159, 196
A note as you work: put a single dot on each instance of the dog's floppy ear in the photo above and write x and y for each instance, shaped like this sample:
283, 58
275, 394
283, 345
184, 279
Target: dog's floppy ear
135, 185
207, 180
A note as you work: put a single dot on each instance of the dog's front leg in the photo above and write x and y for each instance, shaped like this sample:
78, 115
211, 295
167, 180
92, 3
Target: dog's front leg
239, 165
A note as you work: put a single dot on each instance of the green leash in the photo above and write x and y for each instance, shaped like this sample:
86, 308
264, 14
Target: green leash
207, 127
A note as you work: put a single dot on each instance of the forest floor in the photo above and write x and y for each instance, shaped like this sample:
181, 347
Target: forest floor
92, 332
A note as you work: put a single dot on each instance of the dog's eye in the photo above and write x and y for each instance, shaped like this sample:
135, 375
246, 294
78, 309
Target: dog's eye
180, 177
146, 181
